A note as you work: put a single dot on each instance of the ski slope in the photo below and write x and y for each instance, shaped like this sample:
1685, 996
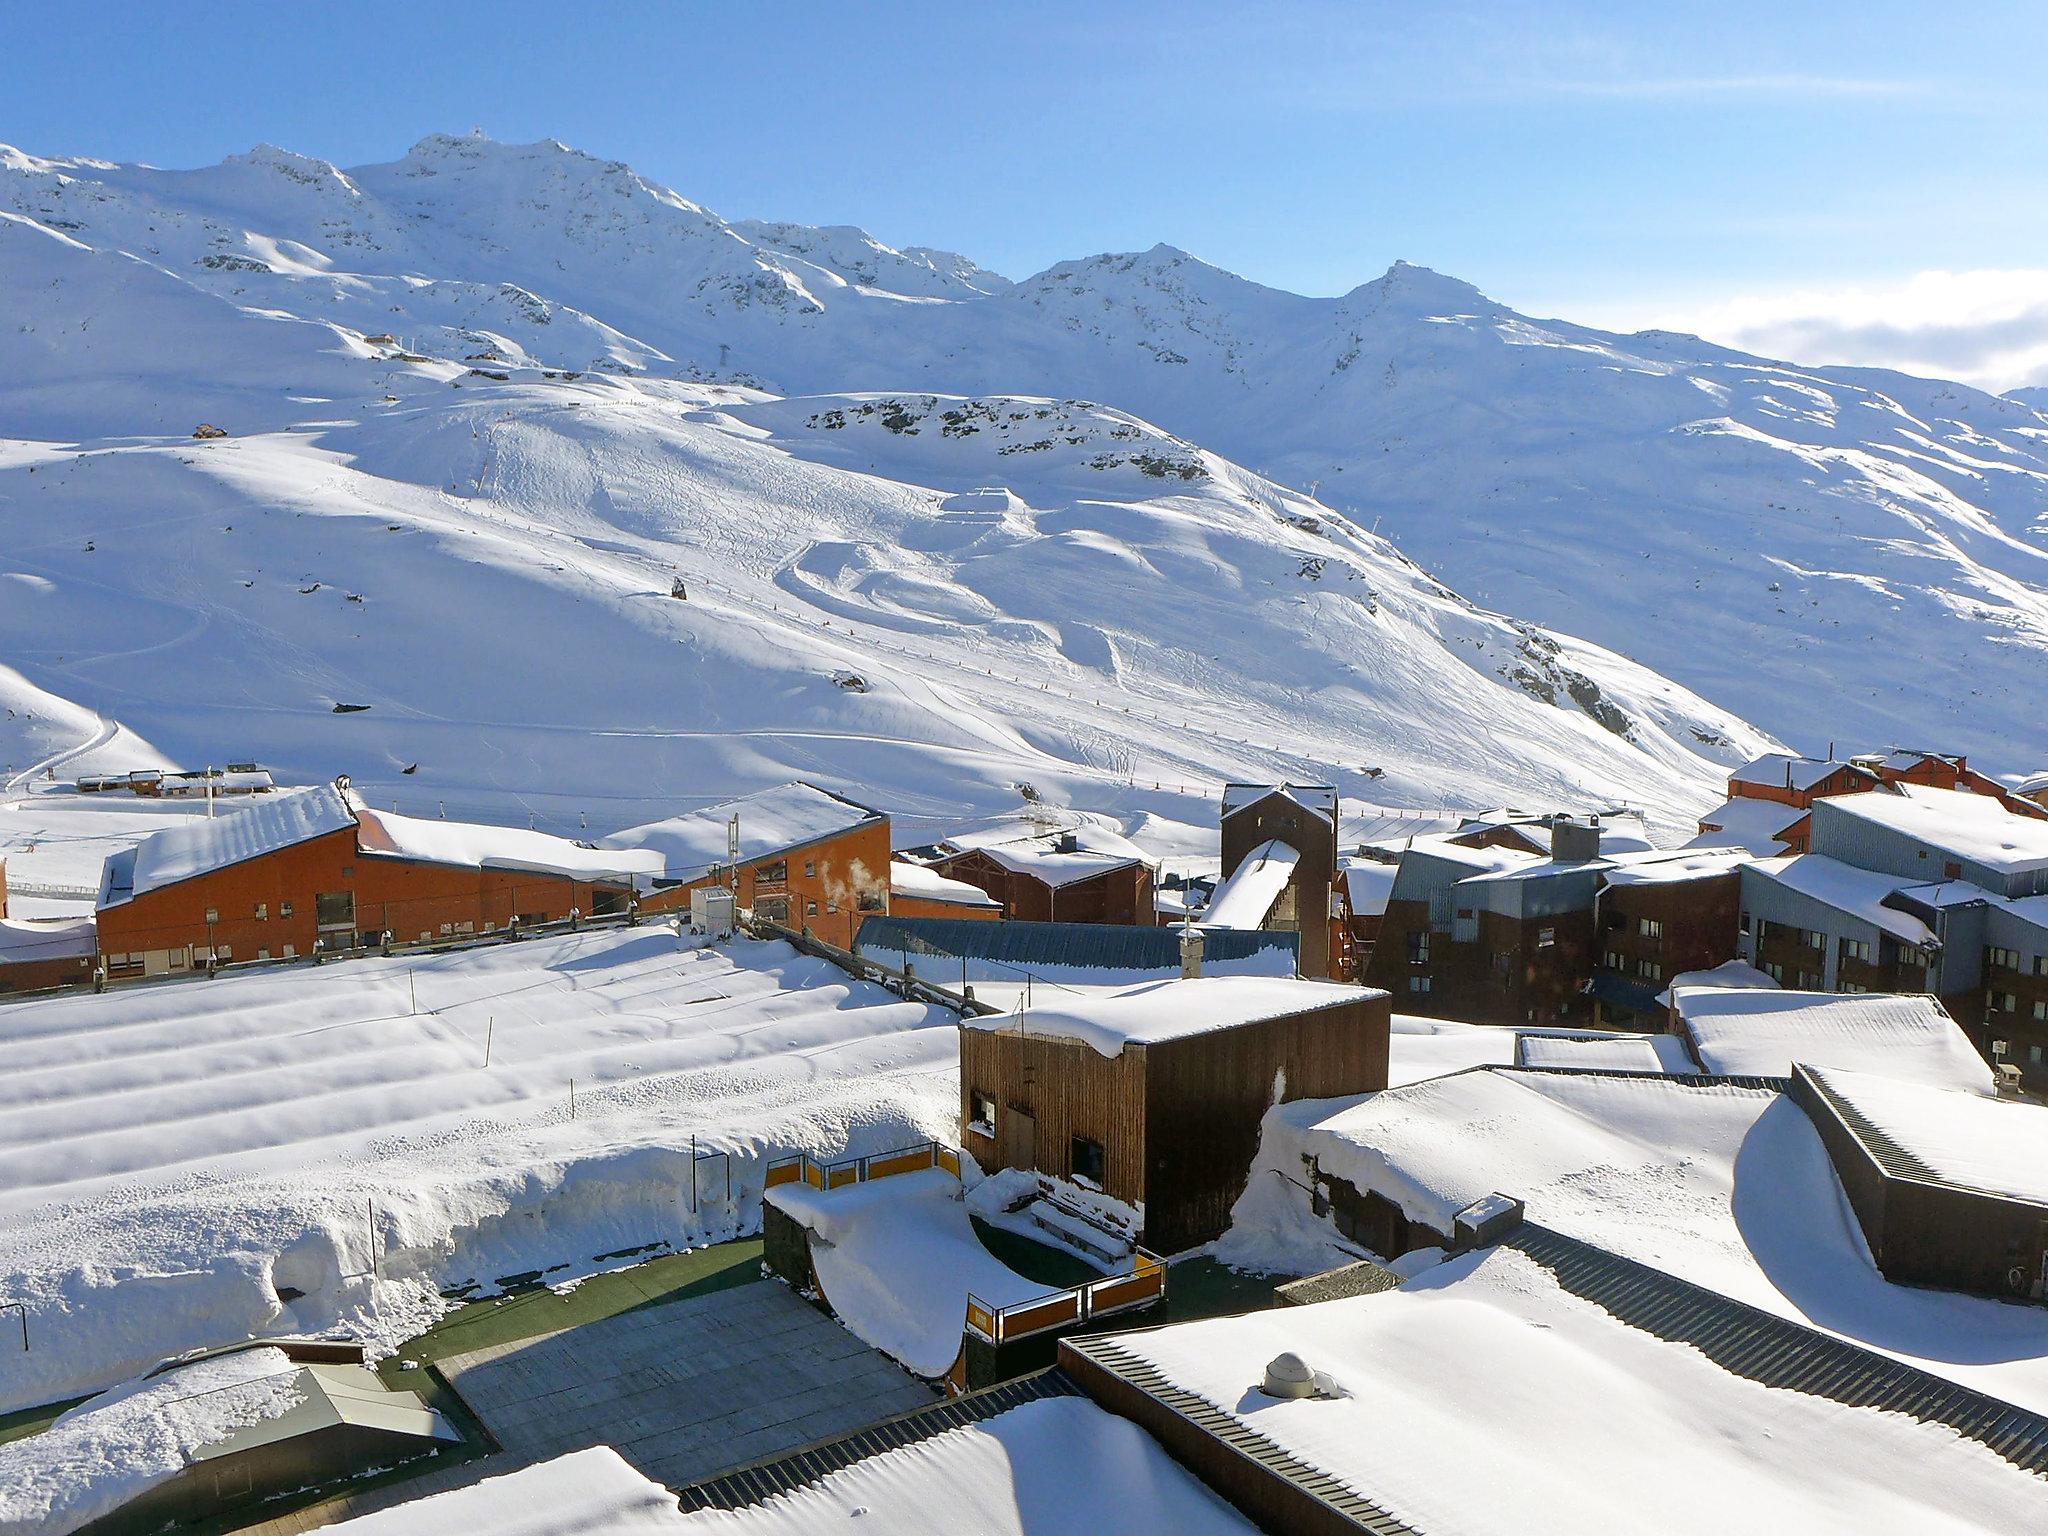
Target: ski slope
331, 1147
1735, 523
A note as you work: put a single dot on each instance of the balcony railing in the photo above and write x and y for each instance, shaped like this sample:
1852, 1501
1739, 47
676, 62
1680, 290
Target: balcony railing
802, 1168
1144, 1285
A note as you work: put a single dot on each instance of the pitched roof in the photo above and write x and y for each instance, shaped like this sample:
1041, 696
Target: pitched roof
923, 883
199, 845
772, 821
1781, 770
475, 845
1969, 1141
1320, 799
1748, 1031
1858, 892
1157, 1011
1971, 826
1748, 823
1243, 900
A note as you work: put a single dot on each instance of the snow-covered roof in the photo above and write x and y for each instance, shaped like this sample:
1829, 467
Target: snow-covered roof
1156, 1011
1729, 973
199, 845
1086, 833
772, 821
1321, 799
1781, 770
474, 845
1440, 846
1445, 1411
1858, 892
1370, 883
591, 1492
1999, 1146
1580, 1053
1050, 866
1753, 1032
1728, 1187
927, 884
46, 938
1971, 826
1664, 867
1245, 899
1748, 823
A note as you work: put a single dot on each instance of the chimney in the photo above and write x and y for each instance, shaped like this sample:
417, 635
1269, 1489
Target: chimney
1068, 843
1573, 841
1190, 952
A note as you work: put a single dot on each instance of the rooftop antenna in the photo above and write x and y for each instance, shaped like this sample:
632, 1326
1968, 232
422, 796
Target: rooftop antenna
732, 854
209, 791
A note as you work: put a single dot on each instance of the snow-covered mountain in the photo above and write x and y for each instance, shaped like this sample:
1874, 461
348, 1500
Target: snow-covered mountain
488, 400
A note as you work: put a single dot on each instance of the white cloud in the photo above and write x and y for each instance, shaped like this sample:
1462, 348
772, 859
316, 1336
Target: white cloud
1988, 328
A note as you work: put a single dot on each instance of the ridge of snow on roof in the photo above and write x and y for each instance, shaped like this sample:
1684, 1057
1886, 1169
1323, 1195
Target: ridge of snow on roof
771, 821
1446, 1415
1972, 826
926, 884
477, 845
1440, 846
202, 844
1750, 1032
1320, 799
1846, 888
1777, 769
1729, 973
1157, 1011
1243, 900
1998, 1146
592, 1492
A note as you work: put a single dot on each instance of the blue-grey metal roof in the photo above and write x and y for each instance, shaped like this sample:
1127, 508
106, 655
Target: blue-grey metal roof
1096, 946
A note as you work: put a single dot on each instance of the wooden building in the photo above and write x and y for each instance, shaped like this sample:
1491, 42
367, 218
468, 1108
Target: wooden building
918, 890
1295, 825
1950, 1188
794, 854
1153, 1095
1054, 879
309, 869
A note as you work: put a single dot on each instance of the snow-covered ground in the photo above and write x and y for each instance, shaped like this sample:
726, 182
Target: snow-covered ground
1729, 1188
175, 1159
1732, 522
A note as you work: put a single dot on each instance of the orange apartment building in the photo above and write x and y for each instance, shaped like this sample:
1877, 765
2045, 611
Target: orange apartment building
795, 854
312, 869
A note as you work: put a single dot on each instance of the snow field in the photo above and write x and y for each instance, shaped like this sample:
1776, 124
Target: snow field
174, 1160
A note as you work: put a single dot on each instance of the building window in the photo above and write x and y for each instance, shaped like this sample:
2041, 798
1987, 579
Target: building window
2041, 965
772, 909
810, 909
1418, 949
1418, 984
212, 914
870, 901
984, 1120
291, 951
1856, 949
284, 909
771, 873
1853, 986
335, 909
1085, 1161
2041, 1010
2002, 959
1545, 937
1951, 870
1745, 922
1649, 970
1616, 960
2001, 1002
1650, 928
810, 869
1815, 939
1775, 971
262, 910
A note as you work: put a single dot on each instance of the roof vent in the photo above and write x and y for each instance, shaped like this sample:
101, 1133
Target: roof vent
1069, 843
1288, 1375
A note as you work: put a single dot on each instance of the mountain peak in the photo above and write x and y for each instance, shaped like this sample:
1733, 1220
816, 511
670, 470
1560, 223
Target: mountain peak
1408, 285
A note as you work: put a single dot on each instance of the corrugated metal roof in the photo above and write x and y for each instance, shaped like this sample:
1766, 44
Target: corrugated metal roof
1102, 946
1247, 1442
785, 1474
1775, 1352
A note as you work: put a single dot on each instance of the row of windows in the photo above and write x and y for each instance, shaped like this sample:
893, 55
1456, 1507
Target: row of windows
2006, 1002
2012, 960
1649, 970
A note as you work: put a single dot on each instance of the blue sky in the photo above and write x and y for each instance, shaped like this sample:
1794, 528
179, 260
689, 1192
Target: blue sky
1743, 166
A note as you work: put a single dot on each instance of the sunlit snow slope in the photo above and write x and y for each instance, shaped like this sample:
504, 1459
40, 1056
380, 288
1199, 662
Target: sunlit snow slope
461, 499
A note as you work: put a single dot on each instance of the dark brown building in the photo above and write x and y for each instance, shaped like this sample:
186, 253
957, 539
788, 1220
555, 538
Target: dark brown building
1055, 880
1950, 1188
1301, 819
1154, 1095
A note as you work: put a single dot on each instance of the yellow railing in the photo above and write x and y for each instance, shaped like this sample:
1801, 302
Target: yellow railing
801, 1167
1144, 1285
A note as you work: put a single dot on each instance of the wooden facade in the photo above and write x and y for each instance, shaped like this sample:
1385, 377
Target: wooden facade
1652, 932
1176, 1121
934, 906
323, 891
1121, 895
826, 885
1310, 905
